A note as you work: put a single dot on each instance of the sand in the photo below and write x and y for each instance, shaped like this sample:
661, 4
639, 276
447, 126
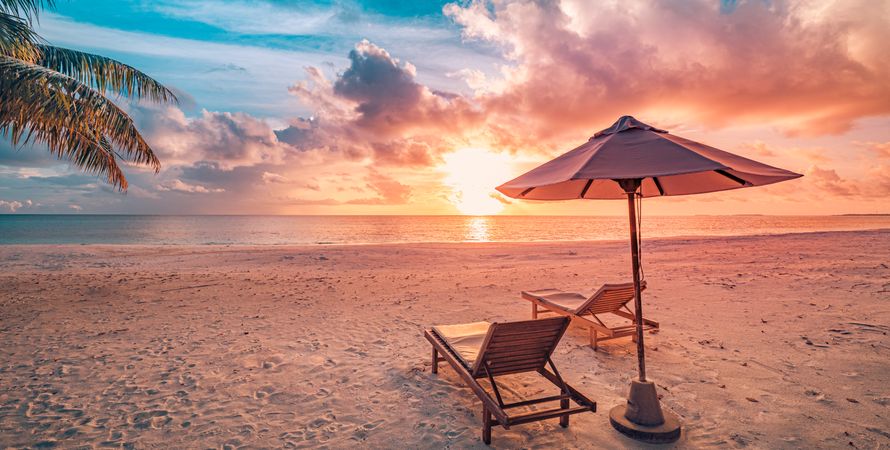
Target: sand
766, 342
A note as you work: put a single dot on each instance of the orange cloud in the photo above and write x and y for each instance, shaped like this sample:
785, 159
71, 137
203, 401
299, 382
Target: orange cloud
806, 69
828, 181
880, 149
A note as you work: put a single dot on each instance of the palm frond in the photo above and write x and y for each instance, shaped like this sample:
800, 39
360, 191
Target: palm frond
17, 39
74, 120
104, 74
26, 9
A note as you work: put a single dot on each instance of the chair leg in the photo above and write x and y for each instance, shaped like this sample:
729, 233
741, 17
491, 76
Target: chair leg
486, 425
564, 420
594, 339
534, 310
435, 360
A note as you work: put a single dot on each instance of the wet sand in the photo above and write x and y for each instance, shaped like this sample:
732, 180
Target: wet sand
766, 342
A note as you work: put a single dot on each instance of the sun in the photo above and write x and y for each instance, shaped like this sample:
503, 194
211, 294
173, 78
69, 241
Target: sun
472, 173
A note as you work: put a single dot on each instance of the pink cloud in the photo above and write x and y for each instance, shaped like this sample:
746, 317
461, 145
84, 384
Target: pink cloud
389, 191
270, 177
376, 109
572, 69
386, 190
228, 139
829, 182
878, 184
880, 149
177, 185
761, 149
577, 67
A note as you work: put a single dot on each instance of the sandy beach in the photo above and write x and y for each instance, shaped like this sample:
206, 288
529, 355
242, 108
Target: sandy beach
765, 342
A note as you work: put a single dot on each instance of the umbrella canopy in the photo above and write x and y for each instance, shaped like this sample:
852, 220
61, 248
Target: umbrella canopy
630, 149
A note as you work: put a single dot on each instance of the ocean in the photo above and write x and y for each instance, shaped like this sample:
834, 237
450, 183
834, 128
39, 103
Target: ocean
327, 230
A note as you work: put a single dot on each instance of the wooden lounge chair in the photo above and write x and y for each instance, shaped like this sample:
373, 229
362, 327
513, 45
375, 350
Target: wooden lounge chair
611, 299
488, 350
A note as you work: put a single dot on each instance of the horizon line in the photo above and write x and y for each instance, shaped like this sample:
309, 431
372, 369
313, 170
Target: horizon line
441, 215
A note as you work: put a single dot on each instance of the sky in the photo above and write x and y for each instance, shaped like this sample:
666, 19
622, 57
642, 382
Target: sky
418, 107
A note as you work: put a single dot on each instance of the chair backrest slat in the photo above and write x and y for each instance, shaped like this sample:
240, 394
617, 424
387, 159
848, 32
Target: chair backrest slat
515, 347
608, 298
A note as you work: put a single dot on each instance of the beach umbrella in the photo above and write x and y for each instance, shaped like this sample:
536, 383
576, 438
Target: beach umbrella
631, 160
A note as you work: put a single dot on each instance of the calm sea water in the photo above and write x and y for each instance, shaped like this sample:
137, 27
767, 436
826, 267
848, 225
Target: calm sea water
124, 229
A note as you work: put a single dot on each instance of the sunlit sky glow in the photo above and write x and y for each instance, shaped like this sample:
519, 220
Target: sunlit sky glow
385, 107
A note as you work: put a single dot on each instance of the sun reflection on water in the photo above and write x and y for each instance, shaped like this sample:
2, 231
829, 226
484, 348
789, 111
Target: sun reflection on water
477, 229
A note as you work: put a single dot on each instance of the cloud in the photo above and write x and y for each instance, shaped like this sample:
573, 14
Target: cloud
302, 19
389, 191
14, 205
376, 109
140, 192
878, 184
815, 155
760, 148
828, 181
75, 207
25, 155
228, 139
69, 181
504, 200
269, 177
475, 79
177, 185
390, 102
880, 149
187, 61
228, 67
274, 178
299, 201
806, 69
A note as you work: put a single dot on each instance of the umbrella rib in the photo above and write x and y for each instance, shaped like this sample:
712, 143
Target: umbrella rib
733, 177
586, 187
526, 191
658, 185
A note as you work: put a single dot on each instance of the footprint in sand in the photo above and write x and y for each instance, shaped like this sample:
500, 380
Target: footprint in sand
151, 419
322, 421
273, 363
357, 351
264, 392
362, 432
451, 434
322, 393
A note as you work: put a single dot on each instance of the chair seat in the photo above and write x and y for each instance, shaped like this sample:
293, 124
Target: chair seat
568, 301
465, 339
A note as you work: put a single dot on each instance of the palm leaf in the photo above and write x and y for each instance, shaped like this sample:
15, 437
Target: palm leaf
17, 39
26, 8
103, 74
74, 120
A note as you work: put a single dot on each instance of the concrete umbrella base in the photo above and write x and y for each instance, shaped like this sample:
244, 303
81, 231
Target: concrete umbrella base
642, 418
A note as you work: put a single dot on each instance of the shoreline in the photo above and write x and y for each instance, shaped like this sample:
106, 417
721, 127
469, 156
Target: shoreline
425, 243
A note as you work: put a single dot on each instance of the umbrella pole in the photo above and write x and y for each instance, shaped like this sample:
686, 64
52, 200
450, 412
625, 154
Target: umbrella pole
638, 298
642, 417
